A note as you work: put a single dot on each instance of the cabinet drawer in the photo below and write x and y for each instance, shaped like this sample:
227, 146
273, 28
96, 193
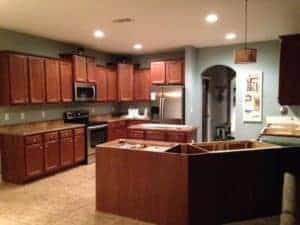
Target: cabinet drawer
117, 124
176, 137
50, 136
155, 135
34, 139
66, 133
136, 134
79, 131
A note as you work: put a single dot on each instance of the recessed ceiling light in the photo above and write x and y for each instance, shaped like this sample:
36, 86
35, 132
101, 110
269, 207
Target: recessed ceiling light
211, 18
98, 34
137, 46
230, 36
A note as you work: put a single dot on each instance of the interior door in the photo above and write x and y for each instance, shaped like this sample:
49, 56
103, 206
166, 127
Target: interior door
205, 116
172, 103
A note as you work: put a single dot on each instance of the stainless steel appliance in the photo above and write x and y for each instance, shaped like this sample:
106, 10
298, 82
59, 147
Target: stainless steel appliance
96, 131
167, 104
85, 92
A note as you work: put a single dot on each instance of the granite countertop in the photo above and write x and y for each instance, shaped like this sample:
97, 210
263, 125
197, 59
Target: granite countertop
139, 145
163, 127
110, 118
37, 127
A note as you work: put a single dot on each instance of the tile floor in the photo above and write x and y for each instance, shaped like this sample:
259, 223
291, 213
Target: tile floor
64, 199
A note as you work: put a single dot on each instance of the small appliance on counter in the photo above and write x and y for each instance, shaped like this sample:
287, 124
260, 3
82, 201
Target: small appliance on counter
96, 131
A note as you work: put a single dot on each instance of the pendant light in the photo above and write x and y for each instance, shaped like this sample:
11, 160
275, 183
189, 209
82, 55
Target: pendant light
245, 55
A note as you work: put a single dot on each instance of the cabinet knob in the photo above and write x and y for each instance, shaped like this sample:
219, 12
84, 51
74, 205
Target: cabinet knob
41, 147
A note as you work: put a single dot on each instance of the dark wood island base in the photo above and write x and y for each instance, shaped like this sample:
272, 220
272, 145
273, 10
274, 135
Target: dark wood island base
188, 184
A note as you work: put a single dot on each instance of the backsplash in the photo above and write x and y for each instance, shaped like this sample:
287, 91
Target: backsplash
36, 113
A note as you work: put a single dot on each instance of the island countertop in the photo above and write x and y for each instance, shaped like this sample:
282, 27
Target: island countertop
139, 145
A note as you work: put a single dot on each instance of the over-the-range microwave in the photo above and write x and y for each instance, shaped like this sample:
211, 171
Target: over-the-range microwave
84, 92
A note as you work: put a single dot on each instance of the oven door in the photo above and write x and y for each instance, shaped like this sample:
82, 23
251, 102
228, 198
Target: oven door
85, 92
96, 135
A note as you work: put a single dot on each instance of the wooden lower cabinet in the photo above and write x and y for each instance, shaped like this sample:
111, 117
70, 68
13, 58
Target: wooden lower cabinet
52, 155
79, 145
163, 135
116, 130
34, 160
155, 135
25, 158
66, 151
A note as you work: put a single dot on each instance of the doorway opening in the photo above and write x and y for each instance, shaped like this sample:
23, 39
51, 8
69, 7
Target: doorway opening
219, 103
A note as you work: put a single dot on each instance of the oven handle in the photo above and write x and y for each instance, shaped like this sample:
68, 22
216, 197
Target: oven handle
97, 127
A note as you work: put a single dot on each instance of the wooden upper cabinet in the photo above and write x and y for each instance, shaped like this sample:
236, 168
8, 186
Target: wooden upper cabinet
142, 85
52, 81
289, 78
36, 80
66, 81
158, 72
112, 94
125, 82
174, 72
18, 78
80, 68
91, 69
101, 83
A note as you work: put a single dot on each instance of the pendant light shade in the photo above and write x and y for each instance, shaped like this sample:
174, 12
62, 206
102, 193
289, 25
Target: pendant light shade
245, 55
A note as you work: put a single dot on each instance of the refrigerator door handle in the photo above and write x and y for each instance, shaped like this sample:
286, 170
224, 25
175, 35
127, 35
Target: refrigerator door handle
163, 108
160, 108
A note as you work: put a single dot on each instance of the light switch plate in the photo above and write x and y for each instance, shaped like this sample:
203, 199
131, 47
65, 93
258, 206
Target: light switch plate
6, 116
43, 114
22, 116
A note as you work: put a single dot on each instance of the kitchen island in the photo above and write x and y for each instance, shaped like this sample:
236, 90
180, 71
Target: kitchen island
171, 184
163, 132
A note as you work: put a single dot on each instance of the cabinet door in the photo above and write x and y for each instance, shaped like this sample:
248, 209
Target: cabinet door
52, 154
66, 81
18, 68
91, 69
79, 148
174, 72
36, 80
142, 85
289, 78
52, 81
101, 82
34, 159
67, 151
111, 85
80, 68
125, 82
179, 137
158, 72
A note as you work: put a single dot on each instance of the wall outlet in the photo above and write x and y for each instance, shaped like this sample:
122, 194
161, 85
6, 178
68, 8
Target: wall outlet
6, 116
43, 114
22, 116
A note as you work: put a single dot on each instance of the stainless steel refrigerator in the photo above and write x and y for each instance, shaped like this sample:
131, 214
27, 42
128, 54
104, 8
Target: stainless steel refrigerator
167, 104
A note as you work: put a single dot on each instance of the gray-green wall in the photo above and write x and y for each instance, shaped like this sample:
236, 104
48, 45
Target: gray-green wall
14, 41
267, 62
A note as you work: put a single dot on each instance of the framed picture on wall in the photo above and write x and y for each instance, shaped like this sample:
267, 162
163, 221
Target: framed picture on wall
252, 101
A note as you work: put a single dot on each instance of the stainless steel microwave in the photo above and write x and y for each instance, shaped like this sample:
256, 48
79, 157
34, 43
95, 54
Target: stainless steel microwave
85, 92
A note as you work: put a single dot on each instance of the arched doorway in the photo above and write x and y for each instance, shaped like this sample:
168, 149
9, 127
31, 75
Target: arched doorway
219, 91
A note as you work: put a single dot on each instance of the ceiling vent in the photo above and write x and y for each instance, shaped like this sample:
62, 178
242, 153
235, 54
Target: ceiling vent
123, 20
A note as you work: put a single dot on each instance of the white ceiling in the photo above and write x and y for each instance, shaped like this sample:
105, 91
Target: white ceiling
159, 24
